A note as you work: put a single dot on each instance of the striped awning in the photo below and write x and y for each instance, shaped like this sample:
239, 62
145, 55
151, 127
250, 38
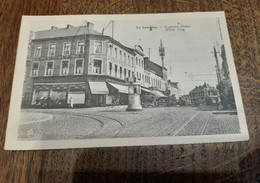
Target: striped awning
146, 90
157, 93
119, 88
98, 88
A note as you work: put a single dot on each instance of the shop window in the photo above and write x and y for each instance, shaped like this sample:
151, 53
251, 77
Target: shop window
35, 69
98, 47
97, 67
80, 47
49, 68
64, 67
79, 66
38, 50
52, 49
66, 48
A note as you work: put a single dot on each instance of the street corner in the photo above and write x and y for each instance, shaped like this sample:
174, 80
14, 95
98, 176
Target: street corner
34, 117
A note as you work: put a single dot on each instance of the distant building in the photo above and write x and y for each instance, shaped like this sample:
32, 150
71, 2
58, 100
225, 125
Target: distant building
185, 99
204, 94
173, 89
154, 78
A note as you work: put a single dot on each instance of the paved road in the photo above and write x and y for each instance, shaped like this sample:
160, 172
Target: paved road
116, 122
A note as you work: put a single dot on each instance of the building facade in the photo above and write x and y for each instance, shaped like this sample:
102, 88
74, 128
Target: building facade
204, 94
81, 64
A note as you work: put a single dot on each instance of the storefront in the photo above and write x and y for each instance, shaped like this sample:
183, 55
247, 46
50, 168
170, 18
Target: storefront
119, 92
98, 95
57, 95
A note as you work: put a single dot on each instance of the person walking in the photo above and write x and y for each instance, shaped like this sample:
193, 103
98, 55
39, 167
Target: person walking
71, 103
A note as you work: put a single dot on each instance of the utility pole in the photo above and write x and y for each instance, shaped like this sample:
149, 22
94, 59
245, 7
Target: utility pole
217, 65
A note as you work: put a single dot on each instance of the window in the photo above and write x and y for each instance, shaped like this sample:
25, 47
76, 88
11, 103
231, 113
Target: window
110, 68
142, 63
78, 67
124, 73
120, 54
129, 73
38, 50
97, 67
49, 68
136, 61
132, 61
139, 62
35, 69
120, 72
64, 67
128, 59
115, 52
124, 57
115, 70
109, 50
98, 47
66, 48
52, 49
80, 47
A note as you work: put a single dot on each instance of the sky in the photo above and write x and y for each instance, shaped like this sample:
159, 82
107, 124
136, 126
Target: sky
188, 42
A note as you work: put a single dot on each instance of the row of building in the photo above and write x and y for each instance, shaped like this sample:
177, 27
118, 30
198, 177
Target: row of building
222, 94
87, 66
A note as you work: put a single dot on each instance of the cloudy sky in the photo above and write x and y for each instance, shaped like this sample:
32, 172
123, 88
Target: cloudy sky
188, 50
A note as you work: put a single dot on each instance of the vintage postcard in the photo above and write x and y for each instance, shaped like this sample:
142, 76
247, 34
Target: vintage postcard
124, 80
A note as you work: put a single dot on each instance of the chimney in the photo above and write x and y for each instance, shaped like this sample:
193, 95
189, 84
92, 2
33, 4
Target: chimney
69, 26
53, 27
90, 26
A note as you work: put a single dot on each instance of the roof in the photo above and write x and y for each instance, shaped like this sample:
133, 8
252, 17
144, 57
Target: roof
201, 88
65, 32
173, 84
149, 65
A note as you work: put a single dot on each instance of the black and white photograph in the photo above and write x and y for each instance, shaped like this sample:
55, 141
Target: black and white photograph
124, 80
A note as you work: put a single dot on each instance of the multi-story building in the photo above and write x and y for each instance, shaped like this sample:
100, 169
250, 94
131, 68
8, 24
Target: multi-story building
82, 64
153, 78
204, 94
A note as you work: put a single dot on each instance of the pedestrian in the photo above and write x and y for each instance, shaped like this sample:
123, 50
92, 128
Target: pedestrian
71, 103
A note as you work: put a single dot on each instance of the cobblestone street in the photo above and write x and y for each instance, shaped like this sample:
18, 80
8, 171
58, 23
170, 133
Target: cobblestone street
106, 122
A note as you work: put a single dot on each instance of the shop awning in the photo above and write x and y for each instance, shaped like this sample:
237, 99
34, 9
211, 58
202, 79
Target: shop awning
120, 88
157, 93
146, 90
98, 88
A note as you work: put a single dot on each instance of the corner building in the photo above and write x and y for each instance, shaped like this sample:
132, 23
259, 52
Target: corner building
82, 64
